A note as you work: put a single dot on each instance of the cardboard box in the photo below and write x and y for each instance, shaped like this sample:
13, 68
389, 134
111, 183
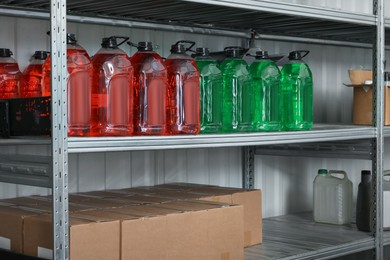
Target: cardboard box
223, 225
362, 105
11, 227
91, 237
361, 81
250, 199
185, 230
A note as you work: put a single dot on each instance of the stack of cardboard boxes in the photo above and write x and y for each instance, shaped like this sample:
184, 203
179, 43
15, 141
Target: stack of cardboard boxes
170, 221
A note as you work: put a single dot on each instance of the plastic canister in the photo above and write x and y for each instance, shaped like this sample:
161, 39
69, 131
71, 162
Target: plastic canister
386, 200
183, 114
10, 75
297, 85
332, 197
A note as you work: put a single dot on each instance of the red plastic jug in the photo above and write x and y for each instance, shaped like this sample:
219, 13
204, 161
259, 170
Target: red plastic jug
79, 87
183, 91
112, 90
10, 75
33, 76
150, 84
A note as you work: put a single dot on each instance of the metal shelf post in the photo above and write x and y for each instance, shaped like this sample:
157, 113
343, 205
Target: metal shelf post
59, 130
378, 122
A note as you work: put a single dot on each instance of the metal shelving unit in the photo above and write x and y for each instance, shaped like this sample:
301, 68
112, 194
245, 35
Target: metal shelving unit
220, 17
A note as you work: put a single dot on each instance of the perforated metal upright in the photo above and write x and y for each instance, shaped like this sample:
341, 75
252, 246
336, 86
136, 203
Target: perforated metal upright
378, 122
59, 130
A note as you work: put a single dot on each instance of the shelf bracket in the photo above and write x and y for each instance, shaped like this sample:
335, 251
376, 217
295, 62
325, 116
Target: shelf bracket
248, 173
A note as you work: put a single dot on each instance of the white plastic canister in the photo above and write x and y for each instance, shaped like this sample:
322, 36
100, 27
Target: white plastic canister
332, 197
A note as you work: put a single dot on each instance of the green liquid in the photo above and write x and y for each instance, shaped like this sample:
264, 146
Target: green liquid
267, 96
297, 84
210, 95
237, 96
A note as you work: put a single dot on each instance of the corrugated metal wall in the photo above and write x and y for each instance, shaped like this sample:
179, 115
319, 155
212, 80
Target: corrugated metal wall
286, 182
357, 6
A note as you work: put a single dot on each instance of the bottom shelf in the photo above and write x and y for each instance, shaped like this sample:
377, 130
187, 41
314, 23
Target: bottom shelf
299, 237
7, 255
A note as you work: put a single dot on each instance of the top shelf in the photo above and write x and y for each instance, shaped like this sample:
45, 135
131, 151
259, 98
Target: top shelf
265, 17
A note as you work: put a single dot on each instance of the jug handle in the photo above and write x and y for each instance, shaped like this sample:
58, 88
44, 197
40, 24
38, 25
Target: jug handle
338, 172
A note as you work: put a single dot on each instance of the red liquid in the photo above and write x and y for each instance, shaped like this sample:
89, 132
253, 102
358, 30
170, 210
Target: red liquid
79, 90
150, 84
184, 96
10, 77
32, 81
112, 95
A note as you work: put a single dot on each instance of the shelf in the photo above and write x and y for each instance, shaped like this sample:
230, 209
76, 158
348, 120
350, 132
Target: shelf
29, 170
386, 238
265, 17
356, 149
320, 133
26, 140
299, 237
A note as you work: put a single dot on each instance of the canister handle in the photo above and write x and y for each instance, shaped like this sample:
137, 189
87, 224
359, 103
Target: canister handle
338, 172
385, 174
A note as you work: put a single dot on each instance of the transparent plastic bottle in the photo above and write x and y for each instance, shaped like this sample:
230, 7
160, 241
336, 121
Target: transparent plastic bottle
363, 203
150, 95
112, 90
33, 75
267, 94
297, 84
237, 93
10, 75
79, 87
211, 97
183, 91
332, 197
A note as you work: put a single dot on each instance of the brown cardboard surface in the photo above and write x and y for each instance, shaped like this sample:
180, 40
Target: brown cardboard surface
11, 225
359, 77
251, 200
144, 210
139, 200
182, 230
222, 223
362, 105
144, 238
23, 201
99, 203
91, 237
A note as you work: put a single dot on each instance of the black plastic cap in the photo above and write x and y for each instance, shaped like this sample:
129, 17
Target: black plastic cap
40, 55
71, 38
366, 172
178, 48
262, 55
234, 53
145, 46
202, 51
295, 55
109, 43
5, 53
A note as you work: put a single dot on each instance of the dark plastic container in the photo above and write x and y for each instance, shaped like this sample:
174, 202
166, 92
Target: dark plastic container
363, 203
